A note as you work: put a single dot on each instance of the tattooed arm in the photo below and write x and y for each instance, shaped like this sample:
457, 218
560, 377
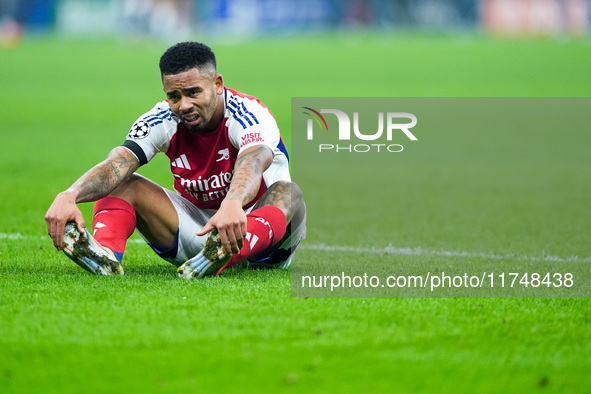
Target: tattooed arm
248, 172
230, 220
96, 183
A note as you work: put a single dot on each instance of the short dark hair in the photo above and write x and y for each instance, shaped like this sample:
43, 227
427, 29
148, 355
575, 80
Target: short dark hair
185, 56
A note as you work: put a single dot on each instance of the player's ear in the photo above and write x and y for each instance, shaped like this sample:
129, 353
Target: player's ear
218, 80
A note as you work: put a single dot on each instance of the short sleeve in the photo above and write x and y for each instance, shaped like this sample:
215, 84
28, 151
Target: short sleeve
151, 132
250, 123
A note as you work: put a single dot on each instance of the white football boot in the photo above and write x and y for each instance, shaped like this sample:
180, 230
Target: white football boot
211, 258
85, 251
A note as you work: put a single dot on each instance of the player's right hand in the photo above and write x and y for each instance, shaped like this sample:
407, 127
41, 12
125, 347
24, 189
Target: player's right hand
62, 210
230, 221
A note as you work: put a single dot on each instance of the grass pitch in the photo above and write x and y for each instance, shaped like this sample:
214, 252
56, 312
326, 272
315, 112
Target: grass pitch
67, 103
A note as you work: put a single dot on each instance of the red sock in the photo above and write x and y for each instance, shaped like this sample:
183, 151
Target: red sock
113, 223
264, 228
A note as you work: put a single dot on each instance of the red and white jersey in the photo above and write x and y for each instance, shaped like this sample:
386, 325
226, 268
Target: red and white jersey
203, 163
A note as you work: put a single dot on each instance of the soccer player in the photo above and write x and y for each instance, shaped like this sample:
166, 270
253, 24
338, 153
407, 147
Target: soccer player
233, 202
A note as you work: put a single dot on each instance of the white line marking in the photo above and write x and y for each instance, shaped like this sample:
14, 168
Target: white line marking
390, 249
405, 251
11, 236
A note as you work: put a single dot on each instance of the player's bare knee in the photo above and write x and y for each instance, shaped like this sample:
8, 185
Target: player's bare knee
284, 195
286, 189
296, 192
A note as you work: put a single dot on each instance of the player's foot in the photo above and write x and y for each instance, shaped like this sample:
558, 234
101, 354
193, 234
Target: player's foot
85, 251
208, 261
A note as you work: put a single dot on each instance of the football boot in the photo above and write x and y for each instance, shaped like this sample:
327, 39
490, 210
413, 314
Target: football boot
211, 258
85, 251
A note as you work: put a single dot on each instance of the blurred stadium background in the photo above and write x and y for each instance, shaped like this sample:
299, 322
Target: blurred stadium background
174, 20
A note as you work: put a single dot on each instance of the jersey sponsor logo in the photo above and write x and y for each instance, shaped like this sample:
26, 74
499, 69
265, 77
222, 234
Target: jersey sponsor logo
139, 130
207, 189
250, 138
181, 162
224, 154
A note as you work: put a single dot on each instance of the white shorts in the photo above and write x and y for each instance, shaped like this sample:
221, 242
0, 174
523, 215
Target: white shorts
193, 219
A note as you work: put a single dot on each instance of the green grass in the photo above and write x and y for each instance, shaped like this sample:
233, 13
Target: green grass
66, 103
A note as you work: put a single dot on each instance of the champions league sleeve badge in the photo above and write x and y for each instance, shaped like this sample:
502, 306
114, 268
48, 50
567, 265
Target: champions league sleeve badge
140, 129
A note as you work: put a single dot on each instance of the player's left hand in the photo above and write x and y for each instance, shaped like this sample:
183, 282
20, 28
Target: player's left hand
230, 220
